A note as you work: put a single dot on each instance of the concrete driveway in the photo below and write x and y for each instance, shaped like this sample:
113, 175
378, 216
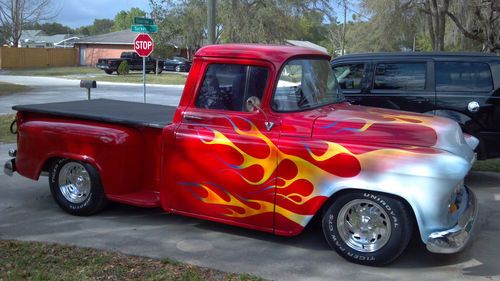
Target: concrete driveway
27, 212
49, 89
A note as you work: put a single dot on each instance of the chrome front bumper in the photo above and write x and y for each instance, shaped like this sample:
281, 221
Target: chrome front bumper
455, 239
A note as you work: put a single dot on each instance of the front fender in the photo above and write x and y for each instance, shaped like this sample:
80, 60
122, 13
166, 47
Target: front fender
424, 177
427, 182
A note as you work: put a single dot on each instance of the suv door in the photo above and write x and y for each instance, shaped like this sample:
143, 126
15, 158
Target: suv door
465, 93
353, 78
402, 85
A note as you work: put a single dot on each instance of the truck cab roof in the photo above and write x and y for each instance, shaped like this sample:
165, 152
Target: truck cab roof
277, 54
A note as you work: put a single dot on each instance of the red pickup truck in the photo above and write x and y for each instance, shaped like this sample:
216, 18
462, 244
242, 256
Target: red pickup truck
263, 139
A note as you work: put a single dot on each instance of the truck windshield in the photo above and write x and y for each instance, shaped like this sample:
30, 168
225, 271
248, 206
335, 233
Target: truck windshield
305, 84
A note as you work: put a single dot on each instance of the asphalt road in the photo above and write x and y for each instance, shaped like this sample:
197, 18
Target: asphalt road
44, 89
28, 212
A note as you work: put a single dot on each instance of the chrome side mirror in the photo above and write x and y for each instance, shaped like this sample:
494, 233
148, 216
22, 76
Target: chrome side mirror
252, 104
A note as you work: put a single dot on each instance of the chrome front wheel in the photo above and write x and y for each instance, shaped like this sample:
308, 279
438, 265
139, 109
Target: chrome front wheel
364, 225
367, 227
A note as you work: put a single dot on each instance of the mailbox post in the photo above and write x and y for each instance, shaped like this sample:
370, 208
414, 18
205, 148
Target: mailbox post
88, 84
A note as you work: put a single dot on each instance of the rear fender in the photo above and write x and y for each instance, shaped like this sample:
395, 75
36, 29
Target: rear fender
116, 151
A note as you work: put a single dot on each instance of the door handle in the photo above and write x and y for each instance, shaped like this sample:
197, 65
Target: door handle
193, 117
421, 99
473, 106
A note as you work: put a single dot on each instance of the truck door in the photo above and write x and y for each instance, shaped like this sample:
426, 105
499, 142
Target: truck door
225, 157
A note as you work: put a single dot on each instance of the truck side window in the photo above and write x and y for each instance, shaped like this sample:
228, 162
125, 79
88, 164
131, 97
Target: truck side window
228, 86
463, 76
305, 84
400, 76
349, 76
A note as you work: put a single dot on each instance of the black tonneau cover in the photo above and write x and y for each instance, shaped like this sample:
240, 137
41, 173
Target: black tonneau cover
111, 111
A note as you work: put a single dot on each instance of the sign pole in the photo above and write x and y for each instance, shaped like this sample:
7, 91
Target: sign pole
144, 44
144, 76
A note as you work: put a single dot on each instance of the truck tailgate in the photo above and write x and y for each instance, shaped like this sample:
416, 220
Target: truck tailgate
111, 111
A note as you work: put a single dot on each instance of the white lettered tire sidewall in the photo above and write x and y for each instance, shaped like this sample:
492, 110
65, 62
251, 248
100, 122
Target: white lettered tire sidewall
96, 199
401, 228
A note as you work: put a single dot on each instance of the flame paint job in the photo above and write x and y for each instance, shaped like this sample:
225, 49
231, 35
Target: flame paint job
292, 178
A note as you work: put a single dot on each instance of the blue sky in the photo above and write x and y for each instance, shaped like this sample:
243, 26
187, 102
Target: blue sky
76, 13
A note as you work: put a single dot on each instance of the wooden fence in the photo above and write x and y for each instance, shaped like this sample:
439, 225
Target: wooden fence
37, 57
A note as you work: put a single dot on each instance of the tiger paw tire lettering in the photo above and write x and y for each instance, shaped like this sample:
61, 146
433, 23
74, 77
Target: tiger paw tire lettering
76, 187
367, 227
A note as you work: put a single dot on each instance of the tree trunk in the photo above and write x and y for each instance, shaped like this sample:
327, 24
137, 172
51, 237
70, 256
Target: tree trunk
436, 11
487, 30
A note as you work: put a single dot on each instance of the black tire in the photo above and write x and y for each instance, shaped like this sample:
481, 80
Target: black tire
80, 202
393, 218
108, 71
178, 68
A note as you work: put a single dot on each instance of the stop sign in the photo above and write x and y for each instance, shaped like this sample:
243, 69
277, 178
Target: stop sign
143, 45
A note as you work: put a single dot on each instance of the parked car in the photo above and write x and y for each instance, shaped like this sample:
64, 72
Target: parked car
177, 64
460, 86
134, 63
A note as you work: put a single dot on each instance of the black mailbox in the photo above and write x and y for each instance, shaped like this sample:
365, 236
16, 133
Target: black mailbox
88, 84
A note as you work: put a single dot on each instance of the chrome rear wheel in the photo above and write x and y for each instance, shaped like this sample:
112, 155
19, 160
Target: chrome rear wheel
76, 187
74, 182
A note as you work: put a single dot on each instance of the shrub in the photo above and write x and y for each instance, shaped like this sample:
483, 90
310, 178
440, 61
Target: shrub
123, 68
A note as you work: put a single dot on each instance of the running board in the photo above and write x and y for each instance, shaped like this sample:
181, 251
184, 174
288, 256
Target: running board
146, 199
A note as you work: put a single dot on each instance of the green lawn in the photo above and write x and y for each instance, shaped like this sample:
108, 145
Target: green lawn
41, 261
136, 77
55, 71
9, 89
491, 165
92, 73
5, 135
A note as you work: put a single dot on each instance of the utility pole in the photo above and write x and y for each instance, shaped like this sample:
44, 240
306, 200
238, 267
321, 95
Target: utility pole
343, 27
211, 21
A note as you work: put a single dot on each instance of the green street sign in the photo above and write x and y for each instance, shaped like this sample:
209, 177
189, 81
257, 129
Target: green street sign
144, 28
144, 21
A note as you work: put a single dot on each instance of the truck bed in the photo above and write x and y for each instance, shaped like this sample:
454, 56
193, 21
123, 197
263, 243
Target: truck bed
110, 111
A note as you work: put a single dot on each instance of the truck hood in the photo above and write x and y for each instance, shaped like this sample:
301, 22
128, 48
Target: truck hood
383, 128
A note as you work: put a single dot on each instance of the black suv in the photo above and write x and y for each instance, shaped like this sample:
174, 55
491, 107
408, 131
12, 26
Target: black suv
462, 86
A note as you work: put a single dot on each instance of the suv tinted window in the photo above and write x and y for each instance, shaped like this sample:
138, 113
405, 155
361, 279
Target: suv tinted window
400, 76
349, 76
463, 76
228, 86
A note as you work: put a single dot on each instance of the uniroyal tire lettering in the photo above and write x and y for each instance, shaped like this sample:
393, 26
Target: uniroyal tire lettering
385, 205
398, 218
